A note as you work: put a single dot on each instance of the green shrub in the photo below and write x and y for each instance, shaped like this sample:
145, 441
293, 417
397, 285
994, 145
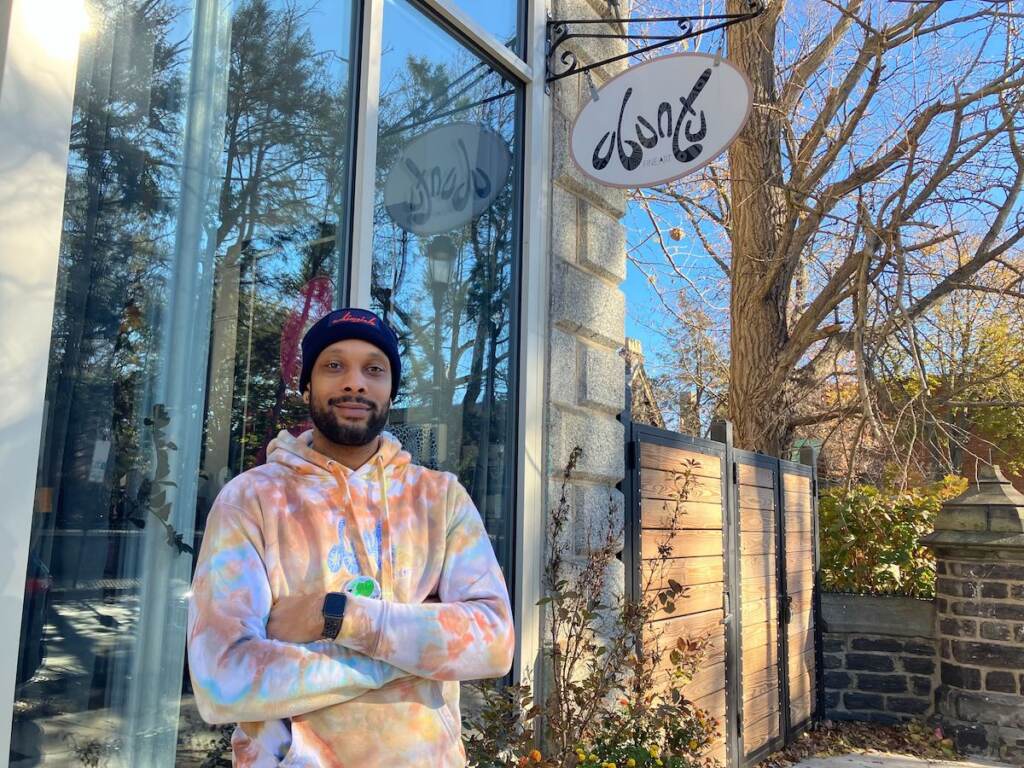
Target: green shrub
870, 538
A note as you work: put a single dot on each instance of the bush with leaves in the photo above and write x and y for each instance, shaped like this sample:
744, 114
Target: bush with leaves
613, 691
871, 538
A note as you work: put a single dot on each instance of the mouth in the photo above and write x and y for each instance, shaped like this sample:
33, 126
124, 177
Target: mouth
351, 410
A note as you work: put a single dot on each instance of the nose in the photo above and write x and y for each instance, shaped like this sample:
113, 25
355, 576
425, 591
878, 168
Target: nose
354, 382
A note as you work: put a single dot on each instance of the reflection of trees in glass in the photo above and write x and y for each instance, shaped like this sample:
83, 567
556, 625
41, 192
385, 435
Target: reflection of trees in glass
281, 203
273, 223
119, 204
476, 306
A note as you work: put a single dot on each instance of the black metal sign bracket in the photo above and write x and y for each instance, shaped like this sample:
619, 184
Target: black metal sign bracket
561, 31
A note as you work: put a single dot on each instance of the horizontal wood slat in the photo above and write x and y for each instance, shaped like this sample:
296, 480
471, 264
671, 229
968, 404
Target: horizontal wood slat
714, 654
708, 680
695, 599
683, 543
748, 474
658, 484
756, 707
683, 515
694, 625
760, 732
713, 703
798, 521
685, 570
757, 519
757, 542
794, 482
758, 588
802, 503
757, 612
760, 681
758, 635
801, 581
756, 735
760, 657
756, 498
800, 709
757, 567
675, 460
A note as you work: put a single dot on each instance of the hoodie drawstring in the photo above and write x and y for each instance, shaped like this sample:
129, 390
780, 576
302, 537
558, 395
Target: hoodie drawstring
385, 561
387, 576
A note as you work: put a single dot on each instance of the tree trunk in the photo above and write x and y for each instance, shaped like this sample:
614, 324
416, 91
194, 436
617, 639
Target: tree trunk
758, 317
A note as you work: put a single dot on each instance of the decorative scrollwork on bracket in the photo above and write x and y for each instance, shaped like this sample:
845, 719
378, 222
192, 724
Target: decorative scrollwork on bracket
560, 31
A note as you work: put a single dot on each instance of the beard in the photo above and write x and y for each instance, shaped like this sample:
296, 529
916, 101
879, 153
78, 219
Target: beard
352, 435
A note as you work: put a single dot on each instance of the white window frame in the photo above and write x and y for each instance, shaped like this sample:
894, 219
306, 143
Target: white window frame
37, 84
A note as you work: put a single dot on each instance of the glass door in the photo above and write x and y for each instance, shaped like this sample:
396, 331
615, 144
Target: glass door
205, 224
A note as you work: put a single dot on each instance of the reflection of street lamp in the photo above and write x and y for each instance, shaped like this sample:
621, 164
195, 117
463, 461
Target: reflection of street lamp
440, 259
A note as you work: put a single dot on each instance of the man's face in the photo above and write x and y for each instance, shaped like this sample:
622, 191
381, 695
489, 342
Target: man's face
350, 392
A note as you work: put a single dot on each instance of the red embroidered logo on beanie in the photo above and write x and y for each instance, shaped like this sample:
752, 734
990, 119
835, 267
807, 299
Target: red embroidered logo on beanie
348, 317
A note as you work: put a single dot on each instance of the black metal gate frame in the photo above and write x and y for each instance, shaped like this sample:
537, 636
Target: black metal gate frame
730, 458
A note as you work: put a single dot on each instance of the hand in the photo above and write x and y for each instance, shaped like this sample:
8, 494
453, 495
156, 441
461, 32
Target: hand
297, 619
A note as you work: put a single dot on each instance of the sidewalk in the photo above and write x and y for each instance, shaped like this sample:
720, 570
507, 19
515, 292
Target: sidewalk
881, 760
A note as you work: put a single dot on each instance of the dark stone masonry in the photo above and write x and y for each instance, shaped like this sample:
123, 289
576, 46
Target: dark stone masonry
957, 660
881, 656
979, 549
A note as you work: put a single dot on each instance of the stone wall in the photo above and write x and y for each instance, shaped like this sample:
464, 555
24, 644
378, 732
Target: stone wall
880, 658
981, 634
586, 374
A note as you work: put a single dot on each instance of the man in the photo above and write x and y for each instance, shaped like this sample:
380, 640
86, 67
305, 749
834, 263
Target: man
342, 591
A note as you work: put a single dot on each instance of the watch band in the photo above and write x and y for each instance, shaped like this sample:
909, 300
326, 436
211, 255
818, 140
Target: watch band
334, 613
332, 626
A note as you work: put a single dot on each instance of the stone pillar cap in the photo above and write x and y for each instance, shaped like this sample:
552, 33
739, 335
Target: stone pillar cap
989, 513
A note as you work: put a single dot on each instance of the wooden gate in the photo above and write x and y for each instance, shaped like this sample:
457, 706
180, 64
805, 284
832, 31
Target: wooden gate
745, 546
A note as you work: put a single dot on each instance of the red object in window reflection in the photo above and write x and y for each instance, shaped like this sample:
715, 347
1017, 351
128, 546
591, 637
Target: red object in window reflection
313, 301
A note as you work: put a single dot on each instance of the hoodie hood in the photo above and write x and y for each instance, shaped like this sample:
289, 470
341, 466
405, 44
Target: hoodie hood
298, 454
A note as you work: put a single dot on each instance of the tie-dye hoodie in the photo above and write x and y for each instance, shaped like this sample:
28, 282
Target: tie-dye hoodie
386, 692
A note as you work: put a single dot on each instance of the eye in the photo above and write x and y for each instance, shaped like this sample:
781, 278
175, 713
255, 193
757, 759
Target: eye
376, 370
334, 365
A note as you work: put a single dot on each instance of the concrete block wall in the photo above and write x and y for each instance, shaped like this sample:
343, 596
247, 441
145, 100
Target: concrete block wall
880, 658
586, 374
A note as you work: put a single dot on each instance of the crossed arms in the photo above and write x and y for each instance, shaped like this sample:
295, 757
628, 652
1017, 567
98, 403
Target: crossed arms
242, 674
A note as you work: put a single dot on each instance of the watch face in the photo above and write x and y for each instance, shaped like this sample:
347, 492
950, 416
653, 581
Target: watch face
334, 605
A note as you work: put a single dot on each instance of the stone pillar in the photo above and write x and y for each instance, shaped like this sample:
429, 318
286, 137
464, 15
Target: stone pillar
979, 548
587, 317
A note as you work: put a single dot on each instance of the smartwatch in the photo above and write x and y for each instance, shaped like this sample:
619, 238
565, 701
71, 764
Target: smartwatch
334, 612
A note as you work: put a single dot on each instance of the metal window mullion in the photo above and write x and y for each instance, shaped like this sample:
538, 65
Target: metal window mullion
530, 510
365, 157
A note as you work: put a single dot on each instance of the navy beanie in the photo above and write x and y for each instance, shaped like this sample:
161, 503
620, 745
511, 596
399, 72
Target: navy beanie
350, 323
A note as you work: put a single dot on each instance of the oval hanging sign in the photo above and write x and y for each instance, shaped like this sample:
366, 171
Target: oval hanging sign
446, 177
660, 120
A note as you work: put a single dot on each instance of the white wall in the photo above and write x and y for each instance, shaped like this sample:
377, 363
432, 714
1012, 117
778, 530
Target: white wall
36, 92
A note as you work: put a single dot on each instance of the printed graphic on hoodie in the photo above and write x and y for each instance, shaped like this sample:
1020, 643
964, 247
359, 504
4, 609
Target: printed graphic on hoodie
385, 693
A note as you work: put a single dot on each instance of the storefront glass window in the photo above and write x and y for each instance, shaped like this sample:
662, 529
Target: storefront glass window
445, 257
205, 216
499, 17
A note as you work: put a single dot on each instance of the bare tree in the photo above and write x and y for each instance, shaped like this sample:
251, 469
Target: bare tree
878, 131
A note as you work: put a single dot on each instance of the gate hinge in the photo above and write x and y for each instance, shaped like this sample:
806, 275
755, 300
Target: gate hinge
631, 455
739, 723
735, 473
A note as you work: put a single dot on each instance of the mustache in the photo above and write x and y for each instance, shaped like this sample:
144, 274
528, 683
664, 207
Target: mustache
353, 399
